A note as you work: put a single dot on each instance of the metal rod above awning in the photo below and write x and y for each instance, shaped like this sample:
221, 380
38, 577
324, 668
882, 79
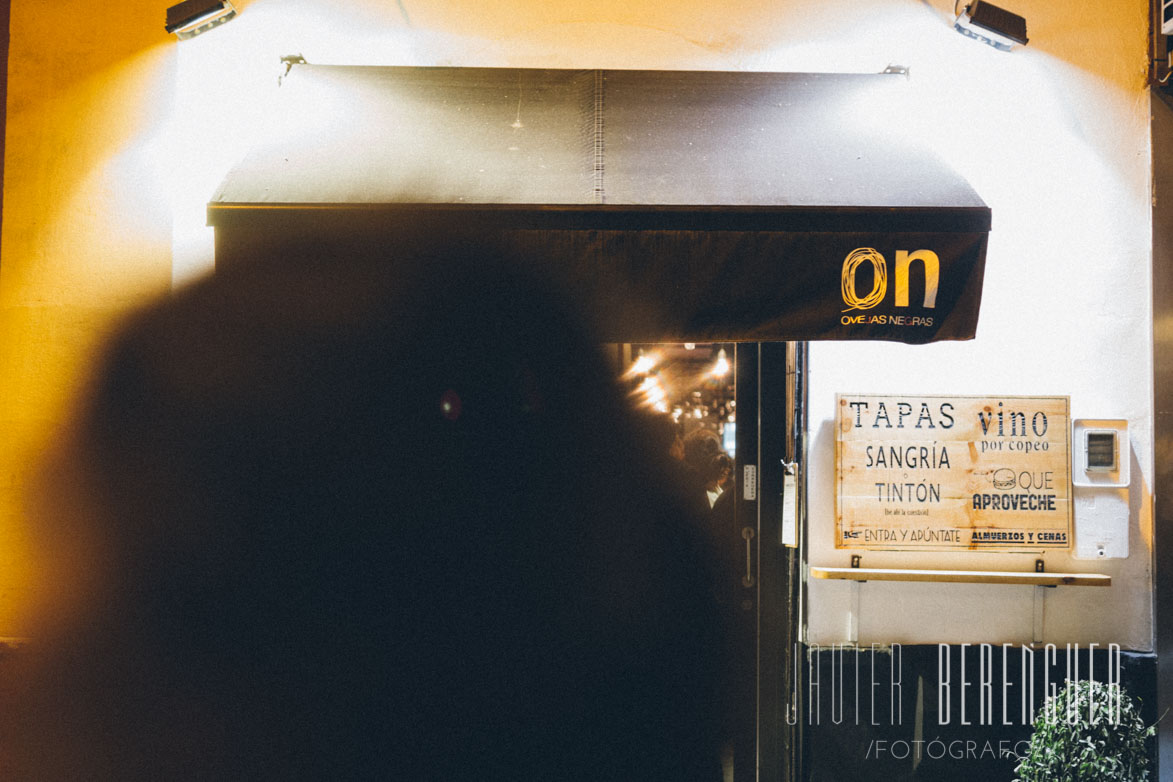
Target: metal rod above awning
684, 205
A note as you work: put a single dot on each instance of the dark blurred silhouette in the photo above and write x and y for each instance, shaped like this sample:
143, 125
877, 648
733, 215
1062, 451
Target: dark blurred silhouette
661, 434
364, 518
700, 446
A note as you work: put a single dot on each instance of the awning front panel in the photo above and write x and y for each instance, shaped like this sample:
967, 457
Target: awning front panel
688, 206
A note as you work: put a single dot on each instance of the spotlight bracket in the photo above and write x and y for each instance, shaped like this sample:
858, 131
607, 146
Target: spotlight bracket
193, 17
992, 25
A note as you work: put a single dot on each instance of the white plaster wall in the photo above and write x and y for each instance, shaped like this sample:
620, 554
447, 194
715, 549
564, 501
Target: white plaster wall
1061, 155
1053, 136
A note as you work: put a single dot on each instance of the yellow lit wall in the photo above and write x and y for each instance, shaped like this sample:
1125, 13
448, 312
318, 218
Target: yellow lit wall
86, 231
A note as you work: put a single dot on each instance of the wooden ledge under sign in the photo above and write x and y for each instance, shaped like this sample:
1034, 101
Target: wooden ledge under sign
963, 576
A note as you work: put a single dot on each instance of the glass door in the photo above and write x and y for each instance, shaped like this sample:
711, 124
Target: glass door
733, 412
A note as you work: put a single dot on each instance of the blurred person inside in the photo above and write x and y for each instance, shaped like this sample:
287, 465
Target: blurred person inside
379, 515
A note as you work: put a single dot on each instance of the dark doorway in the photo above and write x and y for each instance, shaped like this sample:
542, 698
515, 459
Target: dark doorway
737, 413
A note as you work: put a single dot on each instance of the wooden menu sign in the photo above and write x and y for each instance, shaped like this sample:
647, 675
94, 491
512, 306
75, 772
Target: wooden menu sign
952, 473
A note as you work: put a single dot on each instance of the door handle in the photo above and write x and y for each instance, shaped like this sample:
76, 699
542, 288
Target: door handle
748, 580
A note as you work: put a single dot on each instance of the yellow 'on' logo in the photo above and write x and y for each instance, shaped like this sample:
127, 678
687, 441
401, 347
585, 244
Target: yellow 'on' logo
879, 266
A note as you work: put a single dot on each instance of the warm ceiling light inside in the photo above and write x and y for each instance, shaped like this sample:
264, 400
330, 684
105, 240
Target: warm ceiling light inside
643, 364
653, 394
192, 17
721, 368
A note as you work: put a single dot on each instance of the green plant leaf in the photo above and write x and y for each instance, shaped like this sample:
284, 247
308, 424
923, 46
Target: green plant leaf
1094, 747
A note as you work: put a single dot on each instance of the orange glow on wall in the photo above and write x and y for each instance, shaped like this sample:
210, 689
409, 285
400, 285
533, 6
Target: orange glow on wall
85, 231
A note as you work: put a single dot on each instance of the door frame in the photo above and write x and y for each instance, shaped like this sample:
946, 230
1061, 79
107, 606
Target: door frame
781, 447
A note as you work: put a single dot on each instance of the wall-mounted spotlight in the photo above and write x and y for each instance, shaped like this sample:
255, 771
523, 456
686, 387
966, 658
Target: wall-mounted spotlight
192, 17
990, 24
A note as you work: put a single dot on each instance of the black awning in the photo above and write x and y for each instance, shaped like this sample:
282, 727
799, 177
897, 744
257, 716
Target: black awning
683, 205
